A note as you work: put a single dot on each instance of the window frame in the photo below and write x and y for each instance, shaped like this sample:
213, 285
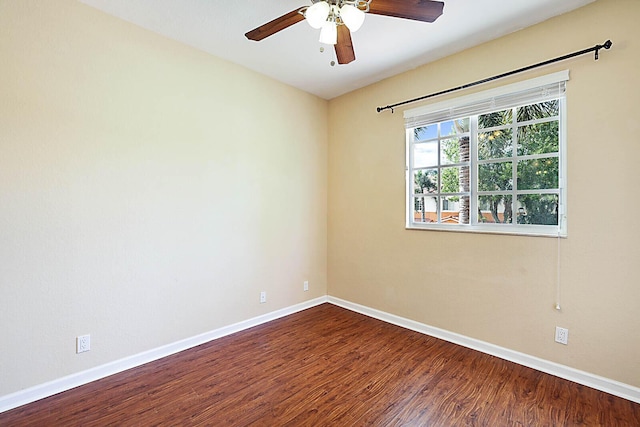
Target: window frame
482, 102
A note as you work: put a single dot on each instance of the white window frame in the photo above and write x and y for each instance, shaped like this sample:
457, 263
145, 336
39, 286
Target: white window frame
508, 96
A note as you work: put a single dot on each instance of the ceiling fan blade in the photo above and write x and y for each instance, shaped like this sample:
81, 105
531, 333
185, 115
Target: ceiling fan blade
272, 27
418, 10
344, 47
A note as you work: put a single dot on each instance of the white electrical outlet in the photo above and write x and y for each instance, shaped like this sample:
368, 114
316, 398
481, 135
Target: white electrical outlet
562, 335
306, 285
263, 297
83, 343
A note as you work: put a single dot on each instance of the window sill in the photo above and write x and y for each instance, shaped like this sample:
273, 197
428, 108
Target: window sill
530, 231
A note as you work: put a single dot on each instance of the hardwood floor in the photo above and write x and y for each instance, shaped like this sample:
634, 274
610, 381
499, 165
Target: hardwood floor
327, 366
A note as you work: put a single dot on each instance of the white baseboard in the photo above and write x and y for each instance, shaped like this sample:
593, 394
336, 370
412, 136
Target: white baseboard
50, 388
41, 391
607, 385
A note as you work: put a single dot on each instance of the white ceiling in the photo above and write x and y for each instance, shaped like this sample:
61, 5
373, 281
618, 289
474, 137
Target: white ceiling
384, 46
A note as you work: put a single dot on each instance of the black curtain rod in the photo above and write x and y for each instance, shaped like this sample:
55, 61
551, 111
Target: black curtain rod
596, 49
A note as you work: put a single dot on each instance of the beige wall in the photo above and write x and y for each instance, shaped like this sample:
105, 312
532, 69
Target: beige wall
148, 191
502, 289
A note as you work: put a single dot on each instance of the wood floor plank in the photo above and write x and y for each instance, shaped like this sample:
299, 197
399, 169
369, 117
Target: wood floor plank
327, 366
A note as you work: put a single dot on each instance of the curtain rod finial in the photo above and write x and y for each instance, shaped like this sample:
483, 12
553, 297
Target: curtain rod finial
607, 45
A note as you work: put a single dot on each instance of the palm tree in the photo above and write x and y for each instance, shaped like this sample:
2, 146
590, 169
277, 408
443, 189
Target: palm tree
461, 127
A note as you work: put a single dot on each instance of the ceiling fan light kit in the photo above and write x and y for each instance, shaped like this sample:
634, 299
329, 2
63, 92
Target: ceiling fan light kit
329, 33
326, 17
352, 16
317, 14
337, 19
340, 12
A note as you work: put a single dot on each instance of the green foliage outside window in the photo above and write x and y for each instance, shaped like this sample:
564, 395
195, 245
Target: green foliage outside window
535, 136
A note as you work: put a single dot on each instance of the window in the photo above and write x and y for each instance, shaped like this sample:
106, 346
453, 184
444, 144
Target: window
490, 162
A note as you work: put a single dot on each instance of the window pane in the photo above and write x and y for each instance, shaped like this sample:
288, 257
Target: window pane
455, 179
495, 176
454, 150
425, 154
425, 181
426, 132
538, 209
462, 125
495, 144
454, 209
448, 128
497, 118
450, 151
454, 127
541, 110
538, 174
495, 209
539, 138
424, 209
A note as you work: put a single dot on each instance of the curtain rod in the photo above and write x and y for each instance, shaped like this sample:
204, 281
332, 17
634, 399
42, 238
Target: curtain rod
596, 49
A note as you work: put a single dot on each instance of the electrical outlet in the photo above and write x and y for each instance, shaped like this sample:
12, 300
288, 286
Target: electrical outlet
562, 335
263, 297
306, 285
83, 343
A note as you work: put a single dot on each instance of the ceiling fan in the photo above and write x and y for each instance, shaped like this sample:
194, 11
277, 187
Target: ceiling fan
337, 19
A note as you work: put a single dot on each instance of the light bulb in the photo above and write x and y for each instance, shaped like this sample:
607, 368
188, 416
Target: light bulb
352, 17
317, 14
329, 33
